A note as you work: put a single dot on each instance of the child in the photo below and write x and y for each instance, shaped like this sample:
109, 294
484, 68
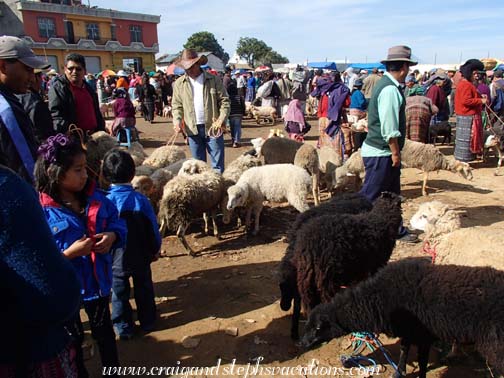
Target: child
86, 227
142, 246
124, 112
295, 123
236, 113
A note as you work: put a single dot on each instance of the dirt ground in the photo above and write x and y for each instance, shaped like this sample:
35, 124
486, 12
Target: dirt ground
231, 287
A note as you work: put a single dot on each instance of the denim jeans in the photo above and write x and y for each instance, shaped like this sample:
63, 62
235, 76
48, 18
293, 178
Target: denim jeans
235, 126
201, 143
122, 314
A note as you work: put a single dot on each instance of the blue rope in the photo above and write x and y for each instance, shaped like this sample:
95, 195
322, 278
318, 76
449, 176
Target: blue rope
363, 337
356, 361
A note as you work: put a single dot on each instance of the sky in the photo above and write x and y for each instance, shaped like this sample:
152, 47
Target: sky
358, 31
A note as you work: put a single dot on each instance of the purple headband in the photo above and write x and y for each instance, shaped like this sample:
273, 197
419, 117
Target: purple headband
48, 149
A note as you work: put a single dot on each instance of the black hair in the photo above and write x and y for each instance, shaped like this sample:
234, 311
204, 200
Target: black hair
77, 58
48, 174
118, 166
394, 66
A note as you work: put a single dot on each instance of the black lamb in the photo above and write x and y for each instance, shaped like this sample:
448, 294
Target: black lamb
347, 203
338, 250
420, 302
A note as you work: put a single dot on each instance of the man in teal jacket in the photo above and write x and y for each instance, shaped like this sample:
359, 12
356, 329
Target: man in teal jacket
381, 151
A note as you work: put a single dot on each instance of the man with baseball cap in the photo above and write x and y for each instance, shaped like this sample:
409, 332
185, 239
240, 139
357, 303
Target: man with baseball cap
381, 151
18, 146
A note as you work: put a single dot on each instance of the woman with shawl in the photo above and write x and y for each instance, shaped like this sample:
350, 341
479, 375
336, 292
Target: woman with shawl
124, 111
147, 96
468, 106
295, 123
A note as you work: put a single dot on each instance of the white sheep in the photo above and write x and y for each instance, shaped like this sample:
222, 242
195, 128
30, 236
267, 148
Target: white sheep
329, 160
307, 157
97, 146
164, 156
435, 219
275, 182
193, 167
186, 197
231, 175
152, 186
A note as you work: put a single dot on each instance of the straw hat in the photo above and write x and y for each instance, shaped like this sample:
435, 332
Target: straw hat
189, 58
52, 72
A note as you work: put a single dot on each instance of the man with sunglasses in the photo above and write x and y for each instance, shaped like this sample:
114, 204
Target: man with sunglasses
18, 146
73, 101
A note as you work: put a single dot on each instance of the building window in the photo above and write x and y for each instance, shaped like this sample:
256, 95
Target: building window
136, 33
47, 28
113, 36
93, 31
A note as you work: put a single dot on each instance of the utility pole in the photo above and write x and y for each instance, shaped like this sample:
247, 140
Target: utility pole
460, 60
435, 57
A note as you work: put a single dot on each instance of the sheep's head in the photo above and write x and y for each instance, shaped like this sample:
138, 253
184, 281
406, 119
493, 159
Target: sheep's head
238, 196
193, 167
226, 213
257, 143
320, 327
143, 184
463, 169
428, 212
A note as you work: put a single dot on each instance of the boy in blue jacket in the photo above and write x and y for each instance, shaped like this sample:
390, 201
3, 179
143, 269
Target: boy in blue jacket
142, 247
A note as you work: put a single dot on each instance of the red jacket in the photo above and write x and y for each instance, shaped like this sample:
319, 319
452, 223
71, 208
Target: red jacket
467, 99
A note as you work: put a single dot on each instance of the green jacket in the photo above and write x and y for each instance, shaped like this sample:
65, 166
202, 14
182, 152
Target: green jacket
215, 97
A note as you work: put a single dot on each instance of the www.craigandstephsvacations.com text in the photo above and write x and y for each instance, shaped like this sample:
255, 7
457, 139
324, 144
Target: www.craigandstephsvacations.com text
312, 369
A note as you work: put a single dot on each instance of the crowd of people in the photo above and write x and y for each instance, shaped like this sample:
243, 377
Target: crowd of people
85, 244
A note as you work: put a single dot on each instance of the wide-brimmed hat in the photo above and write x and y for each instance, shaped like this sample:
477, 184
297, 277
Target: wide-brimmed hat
122, 73
52, 72
399, 54
189, 58
16, 48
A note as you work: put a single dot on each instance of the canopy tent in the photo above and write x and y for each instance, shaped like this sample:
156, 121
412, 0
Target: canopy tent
323, 65
367, 66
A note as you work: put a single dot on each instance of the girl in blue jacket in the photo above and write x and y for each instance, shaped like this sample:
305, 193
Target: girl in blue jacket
86, 227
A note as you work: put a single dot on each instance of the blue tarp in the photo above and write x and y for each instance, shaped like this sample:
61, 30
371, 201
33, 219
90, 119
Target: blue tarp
367, 66
323, 65
499, 67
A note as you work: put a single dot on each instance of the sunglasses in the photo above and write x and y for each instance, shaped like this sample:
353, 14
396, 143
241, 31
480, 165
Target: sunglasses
74, 68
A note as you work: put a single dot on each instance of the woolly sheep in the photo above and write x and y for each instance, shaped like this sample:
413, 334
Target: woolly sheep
193, 167
329, 160
340, 249
419, 302
231, 175
186, 197
144, 170
97, 146
276, 182
306, 157
137, 152
164, 156
278, 150
152, 186
435, 218
347, 203
264, 112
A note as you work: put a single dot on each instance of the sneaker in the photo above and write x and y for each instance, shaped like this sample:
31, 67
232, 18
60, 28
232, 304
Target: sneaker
236, 145
409, 238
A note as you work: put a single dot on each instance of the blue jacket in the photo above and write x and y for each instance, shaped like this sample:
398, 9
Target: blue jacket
144, 240
38, 287
94, 270
358, 101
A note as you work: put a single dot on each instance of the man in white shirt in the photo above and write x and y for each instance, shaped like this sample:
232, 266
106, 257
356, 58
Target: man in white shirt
200, 106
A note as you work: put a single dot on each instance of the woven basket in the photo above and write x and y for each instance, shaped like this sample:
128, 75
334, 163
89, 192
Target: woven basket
489, 63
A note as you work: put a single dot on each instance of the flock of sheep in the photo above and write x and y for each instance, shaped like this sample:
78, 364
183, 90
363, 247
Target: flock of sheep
343, 242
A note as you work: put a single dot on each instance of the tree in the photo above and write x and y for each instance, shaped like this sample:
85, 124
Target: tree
205, 41
255, 51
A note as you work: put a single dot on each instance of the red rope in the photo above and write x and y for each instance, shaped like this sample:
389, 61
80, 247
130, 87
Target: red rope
430, 250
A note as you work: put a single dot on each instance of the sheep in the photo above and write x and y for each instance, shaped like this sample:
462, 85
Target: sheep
231, 175
264, 114
186, 197
275, 182
306, 157
352, 170
329, 160
413, 155
144, 170
419, 302
152, 186
494, 139
193, 167
340, 249
348, 203
435, 218
164, 156
429, 159
97, 146
279, 150
137, 153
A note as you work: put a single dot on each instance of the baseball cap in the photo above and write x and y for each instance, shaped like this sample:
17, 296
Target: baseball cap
16, 48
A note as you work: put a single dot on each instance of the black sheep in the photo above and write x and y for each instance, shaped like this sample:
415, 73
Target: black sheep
347, 203
440, 129
338, 250
420, 302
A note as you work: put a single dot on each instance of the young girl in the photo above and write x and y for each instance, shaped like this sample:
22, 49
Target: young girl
295, 123
86, 227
